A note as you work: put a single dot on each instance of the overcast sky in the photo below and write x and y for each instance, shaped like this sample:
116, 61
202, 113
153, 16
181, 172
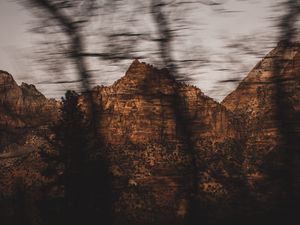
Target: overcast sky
217, 27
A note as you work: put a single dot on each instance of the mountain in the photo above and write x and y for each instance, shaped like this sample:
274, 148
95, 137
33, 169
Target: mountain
145, 143
171, 150
147, 147
268, 103
25, 115
22, 109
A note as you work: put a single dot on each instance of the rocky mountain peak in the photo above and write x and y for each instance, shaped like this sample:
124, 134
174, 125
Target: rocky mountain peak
277, 65
30, 90
139, 69
143, 77
268, 100
143, 119
6, 80
19, 104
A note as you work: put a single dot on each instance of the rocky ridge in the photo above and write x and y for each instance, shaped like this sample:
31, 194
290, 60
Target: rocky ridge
147, 148
236, 144
267, 102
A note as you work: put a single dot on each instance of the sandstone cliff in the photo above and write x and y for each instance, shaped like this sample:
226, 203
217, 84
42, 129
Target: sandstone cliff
267, 101
162, 138
148, 152
145, 144
24, 118
23, 109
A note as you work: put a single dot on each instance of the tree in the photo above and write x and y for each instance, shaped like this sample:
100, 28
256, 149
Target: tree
67, 164
75, 166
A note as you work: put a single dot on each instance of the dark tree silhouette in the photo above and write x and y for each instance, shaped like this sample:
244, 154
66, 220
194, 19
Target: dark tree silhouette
286, 115
77, 167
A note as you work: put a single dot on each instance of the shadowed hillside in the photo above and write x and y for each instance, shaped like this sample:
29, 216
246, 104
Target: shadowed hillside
238, 163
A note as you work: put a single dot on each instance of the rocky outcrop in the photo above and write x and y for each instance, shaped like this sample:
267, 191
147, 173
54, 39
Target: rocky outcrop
168, 144
23, 106
23, 110
141, 123
145, 144
267, 101
24, 117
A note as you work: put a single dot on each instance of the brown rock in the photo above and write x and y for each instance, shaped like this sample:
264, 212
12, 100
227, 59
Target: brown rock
267, 102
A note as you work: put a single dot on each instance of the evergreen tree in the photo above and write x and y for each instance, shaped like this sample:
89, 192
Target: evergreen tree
76, 167
66, 165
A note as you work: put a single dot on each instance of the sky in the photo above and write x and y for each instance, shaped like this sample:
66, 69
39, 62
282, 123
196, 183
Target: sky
215, 28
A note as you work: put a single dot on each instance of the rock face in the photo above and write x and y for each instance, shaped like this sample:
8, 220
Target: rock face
267, 101
141, 123
148, 151
23, 106
167, 144
24, 116
22, 110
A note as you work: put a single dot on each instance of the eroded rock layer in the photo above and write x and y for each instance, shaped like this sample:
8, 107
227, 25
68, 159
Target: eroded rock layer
268, 103
171, 150
148, 151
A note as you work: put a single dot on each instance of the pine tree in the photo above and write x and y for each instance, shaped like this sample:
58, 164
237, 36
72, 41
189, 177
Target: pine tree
67, 164
85, 178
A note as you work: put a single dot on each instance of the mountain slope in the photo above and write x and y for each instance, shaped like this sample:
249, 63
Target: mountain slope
141, 120
147, 147
167, 144
268, 103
